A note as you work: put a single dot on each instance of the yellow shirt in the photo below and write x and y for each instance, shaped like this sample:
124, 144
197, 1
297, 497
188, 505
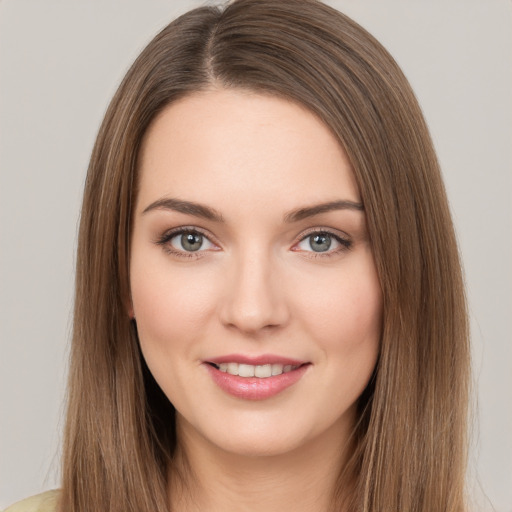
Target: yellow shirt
45, 502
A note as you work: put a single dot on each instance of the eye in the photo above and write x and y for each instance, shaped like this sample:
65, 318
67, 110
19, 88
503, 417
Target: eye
190, 241
323, 242
185, 242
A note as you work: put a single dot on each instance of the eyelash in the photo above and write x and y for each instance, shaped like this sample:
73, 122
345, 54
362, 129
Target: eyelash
165, 239
345, 242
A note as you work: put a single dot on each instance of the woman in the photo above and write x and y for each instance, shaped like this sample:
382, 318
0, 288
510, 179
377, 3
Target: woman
269, 304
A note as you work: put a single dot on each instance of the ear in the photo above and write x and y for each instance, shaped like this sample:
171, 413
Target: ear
126, 294
129, 309
128, 306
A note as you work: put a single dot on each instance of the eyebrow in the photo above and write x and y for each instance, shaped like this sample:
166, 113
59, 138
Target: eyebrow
187, 207
206, 212
310, 211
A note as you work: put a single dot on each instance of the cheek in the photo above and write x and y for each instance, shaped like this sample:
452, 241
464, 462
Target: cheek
171, 307
343, 311
172, 312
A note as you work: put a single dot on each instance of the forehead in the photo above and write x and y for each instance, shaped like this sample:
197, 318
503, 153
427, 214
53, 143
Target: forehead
231, 146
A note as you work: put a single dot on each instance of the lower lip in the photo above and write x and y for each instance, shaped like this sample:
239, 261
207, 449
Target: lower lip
255, 388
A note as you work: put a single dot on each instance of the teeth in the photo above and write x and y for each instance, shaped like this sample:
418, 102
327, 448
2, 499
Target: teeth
263, 371
246, 370
260, 371
232, 368
277, 369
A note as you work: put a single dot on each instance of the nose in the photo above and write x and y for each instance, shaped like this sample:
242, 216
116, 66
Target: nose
254, 298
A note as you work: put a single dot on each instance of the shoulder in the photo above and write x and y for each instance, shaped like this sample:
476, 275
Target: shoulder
45, 502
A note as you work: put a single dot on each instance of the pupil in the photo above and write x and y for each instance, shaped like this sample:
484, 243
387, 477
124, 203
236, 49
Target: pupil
320, 243
191, 241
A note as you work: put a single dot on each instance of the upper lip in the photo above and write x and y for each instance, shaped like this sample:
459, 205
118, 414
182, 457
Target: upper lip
255, 360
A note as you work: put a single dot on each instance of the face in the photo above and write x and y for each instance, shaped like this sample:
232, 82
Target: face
253, 284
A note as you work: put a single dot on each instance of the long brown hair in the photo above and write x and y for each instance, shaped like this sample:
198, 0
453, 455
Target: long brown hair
410, 440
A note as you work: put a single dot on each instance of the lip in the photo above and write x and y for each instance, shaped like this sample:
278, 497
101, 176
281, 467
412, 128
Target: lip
255, 388
255, 360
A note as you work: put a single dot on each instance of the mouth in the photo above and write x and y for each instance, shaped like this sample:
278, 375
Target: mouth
255, 379
260, 371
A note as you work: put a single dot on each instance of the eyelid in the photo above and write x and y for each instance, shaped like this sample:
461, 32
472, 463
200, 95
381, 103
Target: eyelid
341, 237
165, 238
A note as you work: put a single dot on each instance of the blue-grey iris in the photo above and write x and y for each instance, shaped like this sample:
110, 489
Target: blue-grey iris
320, 242
191, 241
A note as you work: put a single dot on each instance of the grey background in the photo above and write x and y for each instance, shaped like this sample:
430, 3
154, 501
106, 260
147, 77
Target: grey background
60, 63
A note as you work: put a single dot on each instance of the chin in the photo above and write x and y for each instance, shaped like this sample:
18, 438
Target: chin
266, 435
259, 445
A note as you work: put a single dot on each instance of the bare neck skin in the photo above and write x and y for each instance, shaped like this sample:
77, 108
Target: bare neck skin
213, 480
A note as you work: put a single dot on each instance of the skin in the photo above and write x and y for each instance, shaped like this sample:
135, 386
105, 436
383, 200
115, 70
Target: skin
255, 286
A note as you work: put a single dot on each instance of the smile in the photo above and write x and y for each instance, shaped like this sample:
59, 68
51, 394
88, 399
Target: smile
260, 371
264, 378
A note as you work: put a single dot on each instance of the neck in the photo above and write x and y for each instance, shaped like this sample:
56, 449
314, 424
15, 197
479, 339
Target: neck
208, 479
